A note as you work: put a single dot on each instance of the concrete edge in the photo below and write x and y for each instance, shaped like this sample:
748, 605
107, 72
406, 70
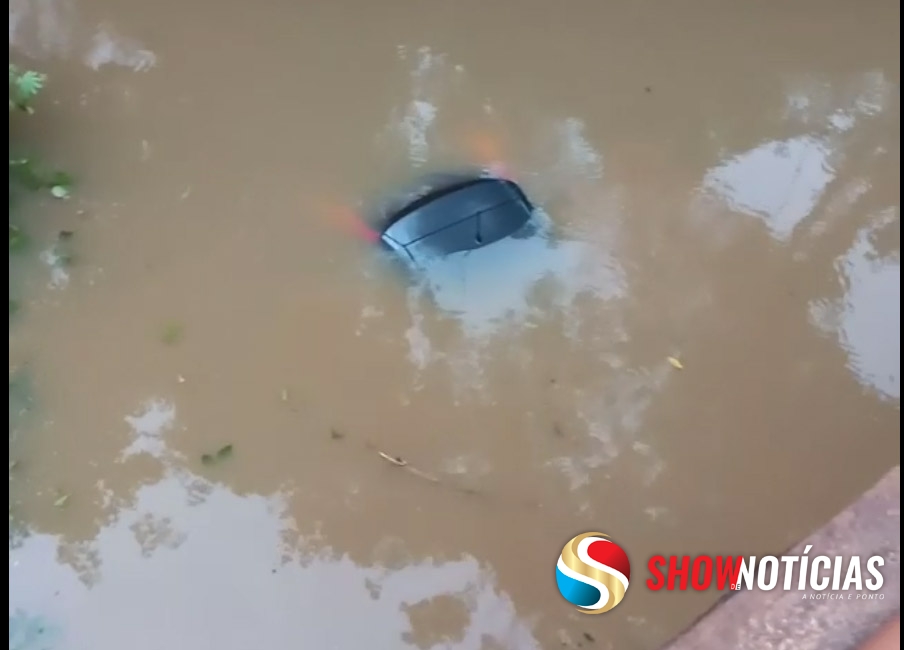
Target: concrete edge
778, 619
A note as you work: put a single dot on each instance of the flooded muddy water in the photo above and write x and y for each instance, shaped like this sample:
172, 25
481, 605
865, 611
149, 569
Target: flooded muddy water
698, 352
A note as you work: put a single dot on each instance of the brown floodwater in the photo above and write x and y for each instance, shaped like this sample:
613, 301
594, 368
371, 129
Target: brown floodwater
719, 184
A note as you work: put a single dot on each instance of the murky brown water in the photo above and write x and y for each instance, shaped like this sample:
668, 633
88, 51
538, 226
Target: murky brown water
722, 185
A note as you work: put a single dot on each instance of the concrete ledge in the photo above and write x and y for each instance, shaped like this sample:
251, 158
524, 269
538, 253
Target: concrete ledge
777, 619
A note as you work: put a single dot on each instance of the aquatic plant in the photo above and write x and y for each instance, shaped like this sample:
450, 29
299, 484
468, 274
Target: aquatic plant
24, 87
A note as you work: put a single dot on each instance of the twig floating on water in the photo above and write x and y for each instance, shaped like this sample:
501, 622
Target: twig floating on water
398, 462
422, 475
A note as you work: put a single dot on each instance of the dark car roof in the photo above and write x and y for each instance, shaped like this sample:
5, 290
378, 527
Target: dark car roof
463, 214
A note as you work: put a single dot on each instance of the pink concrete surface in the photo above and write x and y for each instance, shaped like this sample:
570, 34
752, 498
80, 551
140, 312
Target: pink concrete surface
780, 620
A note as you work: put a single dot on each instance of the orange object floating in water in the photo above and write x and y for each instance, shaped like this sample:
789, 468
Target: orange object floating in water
485, 147
351, 222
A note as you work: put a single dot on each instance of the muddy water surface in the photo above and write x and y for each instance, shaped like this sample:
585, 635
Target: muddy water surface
718, 184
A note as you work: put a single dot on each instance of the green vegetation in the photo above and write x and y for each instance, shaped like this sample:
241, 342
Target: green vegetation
222, 454
24, 172
24, 87
26, 175
171, 334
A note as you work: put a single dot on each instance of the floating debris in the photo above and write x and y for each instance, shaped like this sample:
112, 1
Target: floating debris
422, 475
397, 461
17, 239
675, 363
222, 454
172, 334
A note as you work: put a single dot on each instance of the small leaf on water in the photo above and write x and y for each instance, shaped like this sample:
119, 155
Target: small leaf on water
172, 333
29, 84
59, 178
65, 235
207, 459
60, 191
16, 238
676, 363
336, 435
225, 452
59, 503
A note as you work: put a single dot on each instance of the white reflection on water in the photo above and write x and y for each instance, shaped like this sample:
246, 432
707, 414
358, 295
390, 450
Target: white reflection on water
516, 281
148, 426
53, 28
867, 318
176, 571
780, 182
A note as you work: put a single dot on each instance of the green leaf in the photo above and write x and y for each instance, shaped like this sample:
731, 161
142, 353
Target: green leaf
60, 178
17, 239
62, 501
60, 192
172, 334
28, 84
225, 452
207, 459
26, 172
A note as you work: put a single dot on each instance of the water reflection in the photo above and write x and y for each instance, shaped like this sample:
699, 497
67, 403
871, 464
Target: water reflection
867, 319
815, 102
517, 281
192, 565
148, 426
27, 632
41, 28
780, 182
108, 47
54, 28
